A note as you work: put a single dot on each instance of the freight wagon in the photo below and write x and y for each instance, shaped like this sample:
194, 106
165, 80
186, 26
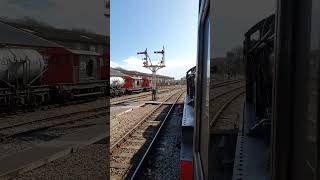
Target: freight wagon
30, 77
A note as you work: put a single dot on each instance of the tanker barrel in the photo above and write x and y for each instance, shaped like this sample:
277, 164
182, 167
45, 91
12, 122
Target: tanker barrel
117, 82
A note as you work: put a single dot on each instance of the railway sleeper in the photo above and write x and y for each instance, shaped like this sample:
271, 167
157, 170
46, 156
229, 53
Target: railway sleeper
147, 131
140, 141
136, 135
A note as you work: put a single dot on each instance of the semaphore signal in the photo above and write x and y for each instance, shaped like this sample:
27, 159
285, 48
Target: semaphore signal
147, 63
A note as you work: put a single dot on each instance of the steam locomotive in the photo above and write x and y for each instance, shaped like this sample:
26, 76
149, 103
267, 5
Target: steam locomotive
278, 133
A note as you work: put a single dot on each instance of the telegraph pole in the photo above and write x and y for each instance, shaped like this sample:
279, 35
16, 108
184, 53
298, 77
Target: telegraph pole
154, 68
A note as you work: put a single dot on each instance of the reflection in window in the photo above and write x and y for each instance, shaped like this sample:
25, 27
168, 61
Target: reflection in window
204, 124
313, 103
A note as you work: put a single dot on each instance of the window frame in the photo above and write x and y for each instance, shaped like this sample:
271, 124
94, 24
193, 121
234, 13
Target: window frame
289, 102
197, 159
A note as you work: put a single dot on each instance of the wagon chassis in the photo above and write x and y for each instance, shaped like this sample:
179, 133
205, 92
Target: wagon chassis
29, 98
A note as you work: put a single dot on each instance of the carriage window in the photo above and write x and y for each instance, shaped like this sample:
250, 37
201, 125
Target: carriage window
240, 69
313, 94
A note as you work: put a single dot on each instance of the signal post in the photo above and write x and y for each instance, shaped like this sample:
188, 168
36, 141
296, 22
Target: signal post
154, 68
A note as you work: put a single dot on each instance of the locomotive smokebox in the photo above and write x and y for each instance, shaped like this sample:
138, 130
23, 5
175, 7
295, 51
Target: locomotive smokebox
20, 66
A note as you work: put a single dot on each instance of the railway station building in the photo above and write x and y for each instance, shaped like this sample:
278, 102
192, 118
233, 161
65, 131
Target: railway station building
161, 79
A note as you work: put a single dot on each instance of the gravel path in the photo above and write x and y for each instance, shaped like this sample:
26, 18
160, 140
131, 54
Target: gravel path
121, 124
28, 140
91, 162
127, 106
24, 141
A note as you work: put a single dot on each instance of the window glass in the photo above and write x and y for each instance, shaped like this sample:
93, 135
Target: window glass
231, 20
313, 95
205, 96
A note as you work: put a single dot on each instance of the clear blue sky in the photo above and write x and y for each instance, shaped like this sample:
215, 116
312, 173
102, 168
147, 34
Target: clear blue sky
140, 24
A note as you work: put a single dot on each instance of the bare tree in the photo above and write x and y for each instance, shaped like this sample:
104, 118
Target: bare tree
234, 61
31, 21
82, 30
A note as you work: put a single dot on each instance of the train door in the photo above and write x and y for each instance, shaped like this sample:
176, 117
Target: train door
88, 67
202, 95
138, 83
296, 126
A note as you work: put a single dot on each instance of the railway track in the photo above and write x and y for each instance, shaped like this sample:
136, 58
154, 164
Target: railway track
225, 83
20, 110
162, 160
129, 99
223, 101
130, 150
134, 98
10, 131
122, 122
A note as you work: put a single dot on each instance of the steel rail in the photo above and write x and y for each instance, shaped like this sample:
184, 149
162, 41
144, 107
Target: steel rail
227, 92
4, 136
144, 157
123, 100
132, 130
224, 106
129, 99
226, 83
52, 117
49, 106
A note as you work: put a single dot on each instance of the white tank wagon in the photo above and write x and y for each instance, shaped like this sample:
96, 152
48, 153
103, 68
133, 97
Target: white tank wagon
20, 66
116, 82
116, 86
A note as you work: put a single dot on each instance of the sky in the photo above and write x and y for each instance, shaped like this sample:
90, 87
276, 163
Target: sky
140, 24
83, 14
231, 22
